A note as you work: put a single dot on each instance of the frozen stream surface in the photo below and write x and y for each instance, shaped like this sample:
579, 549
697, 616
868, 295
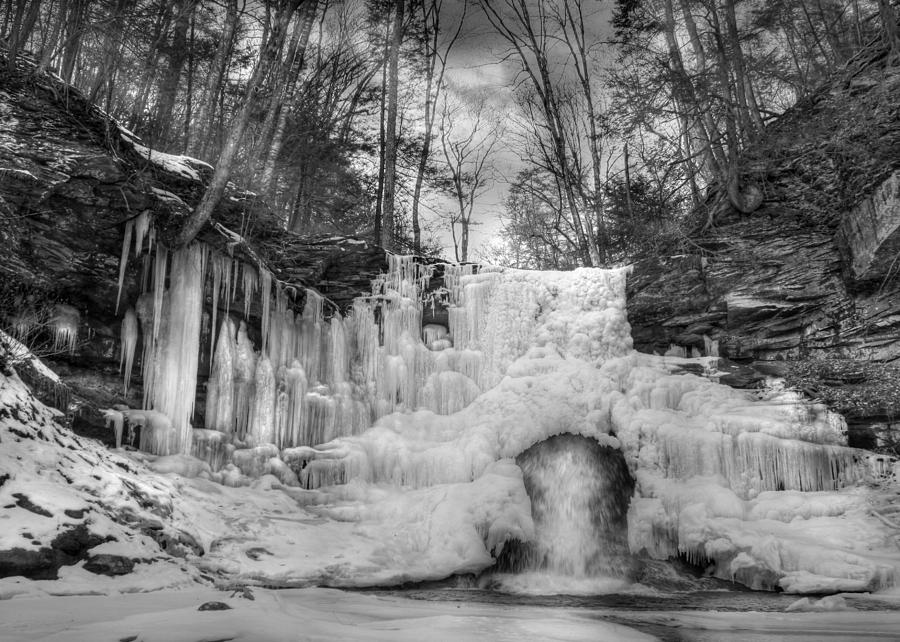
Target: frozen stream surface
329, 614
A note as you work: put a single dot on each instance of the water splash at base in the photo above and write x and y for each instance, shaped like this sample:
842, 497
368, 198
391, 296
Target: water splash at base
579, 493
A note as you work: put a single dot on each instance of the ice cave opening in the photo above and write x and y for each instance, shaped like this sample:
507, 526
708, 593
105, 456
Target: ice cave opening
580, 492
523, 433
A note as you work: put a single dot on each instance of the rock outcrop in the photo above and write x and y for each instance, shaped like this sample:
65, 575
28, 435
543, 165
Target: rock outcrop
70, 181
811, 276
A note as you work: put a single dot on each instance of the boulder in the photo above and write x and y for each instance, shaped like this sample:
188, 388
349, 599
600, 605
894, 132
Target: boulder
111, 565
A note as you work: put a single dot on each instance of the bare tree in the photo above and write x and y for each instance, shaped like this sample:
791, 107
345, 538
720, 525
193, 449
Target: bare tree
390, 134
24, 17
198, 143
268, 61
527, 28
469, 135
436, 53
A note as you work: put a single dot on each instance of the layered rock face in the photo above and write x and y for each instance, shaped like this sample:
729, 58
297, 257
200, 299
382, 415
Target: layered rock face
811, 280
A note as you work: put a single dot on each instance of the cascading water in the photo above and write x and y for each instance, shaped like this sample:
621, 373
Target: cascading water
579, 493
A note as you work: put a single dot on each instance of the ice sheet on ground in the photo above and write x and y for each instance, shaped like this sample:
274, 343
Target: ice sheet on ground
280, 616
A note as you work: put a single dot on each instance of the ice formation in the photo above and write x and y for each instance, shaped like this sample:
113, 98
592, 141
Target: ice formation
64, 324
374, 399
115, 419
220, 388
129, 344
123, 261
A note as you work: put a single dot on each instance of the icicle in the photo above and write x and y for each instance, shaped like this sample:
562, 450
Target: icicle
129, 344
116, 420
310, 345
157, 434
244, 371
64, 327
249, 286
233, 279
145, 271
320, 416
219, 265
141, 228
159, 286
710, 347
123, 260
291, 421
226, 281
279, 332
676, 351
339, 351
212, 447
220, 404
145, 314
265, 293
434, 332
24, 323
262, 421
448, 392
177, 357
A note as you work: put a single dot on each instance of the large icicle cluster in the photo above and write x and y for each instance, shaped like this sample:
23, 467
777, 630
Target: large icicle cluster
550, 353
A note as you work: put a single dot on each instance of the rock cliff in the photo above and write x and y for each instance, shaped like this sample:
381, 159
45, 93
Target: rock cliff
807, 286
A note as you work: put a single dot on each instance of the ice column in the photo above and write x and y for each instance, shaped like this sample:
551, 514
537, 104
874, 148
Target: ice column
220, 390
175, 376
129, 344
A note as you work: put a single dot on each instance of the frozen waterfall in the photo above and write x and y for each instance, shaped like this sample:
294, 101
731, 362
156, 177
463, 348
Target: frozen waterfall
664, 463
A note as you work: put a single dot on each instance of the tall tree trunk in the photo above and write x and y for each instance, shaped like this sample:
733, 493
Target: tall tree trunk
695, 101
72, 44
49, 48
433, 88
292, 78
278, 90
628, 204
168, 86
746, 121
148, 77
382, 137
390, 145
23, 23
189, 91
111, 48
268, 59
198, 143
578, 47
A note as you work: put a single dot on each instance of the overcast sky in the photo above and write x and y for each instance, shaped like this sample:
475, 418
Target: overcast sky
476, 62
